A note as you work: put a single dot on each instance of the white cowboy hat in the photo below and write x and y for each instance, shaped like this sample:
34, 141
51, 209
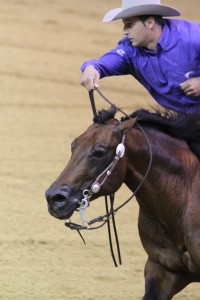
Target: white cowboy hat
131, 8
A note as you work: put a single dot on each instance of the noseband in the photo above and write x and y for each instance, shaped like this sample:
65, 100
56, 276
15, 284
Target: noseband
96, 186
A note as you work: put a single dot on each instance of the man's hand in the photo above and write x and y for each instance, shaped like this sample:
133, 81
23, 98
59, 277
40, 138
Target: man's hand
191, 87
90, 78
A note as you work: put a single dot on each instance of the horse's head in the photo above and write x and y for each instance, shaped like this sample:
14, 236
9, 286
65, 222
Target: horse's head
92, 152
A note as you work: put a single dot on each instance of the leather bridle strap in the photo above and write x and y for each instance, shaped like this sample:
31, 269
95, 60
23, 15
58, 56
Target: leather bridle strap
114, 230
92, 102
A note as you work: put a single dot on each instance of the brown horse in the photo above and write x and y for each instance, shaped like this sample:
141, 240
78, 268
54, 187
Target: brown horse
169, 199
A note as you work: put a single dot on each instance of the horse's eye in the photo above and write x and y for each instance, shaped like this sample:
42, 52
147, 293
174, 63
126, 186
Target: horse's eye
98, 153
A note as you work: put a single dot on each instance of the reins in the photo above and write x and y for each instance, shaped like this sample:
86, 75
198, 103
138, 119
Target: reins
92, 102
95, 187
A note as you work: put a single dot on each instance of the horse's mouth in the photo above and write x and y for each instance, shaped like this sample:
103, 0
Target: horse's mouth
62, 211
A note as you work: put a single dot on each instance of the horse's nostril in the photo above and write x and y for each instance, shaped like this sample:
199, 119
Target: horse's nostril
59, 201
58, 198
57, 194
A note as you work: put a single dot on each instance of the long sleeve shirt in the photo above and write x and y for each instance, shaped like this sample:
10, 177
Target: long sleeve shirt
176, 59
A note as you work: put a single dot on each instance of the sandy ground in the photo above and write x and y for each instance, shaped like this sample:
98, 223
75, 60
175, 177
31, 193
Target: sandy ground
42, 108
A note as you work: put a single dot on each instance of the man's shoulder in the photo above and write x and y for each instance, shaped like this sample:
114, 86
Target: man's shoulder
124, 41
180, 24
125, 44
186, 32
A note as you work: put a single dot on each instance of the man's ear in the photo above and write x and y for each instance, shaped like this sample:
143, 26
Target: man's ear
150, 22
125, 126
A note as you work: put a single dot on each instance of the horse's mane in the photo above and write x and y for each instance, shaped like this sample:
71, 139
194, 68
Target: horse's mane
178, 124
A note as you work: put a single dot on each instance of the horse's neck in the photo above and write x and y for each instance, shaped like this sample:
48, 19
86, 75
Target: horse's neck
171, 161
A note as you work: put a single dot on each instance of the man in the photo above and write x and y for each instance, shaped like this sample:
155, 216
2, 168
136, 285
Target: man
162, 54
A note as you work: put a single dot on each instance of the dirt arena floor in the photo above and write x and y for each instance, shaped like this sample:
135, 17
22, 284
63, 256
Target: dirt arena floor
42, 108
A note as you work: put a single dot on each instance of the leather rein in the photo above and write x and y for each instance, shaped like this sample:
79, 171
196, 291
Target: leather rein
96, 186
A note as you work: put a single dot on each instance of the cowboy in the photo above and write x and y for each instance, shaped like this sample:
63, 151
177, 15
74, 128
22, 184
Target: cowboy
163, 54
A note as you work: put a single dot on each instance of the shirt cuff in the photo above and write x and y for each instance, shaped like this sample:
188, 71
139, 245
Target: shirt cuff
89, 63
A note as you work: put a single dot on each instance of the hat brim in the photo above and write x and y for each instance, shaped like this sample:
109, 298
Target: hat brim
148, 9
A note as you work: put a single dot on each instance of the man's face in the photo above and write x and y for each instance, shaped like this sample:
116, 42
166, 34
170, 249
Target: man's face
136, 31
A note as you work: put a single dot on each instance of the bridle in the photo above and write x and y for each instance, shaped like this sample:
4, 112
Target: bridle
99, 181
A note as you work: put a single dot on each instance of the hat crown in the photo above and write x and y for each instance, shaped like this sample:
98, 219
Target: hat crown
130, 3
131, 8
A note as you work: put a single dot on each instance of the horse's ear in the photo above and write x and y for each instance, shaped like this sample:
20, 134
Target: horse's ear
125, 125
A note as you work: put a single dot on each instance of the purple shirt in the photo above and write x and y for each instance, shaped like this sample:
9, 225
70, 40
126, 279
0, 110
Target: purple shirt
177, 58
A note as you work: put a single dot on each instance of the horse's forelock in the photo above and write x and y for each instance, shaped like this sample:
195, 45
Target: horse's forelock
105, 115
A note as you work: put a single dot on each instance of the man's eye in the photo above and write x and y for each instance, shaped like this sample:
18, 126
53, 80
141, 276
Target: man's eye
128, 25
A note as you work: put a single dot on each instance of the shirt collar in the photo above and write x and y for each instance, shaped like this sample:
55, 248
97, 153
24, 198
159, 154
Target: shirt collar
163, 42
164, 39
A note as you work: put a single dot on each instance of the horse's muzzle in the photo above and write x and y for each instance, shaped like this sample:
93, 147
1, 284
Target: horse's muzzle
60, 204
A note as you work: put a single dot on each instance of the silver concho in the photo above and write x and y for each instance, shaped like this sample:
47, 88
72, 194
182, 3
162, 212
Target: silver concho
120, 150
95, 187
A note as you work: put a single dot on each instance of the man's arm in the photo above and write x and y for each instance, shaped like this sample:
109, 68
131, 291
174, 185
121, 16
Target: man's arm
113, 63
